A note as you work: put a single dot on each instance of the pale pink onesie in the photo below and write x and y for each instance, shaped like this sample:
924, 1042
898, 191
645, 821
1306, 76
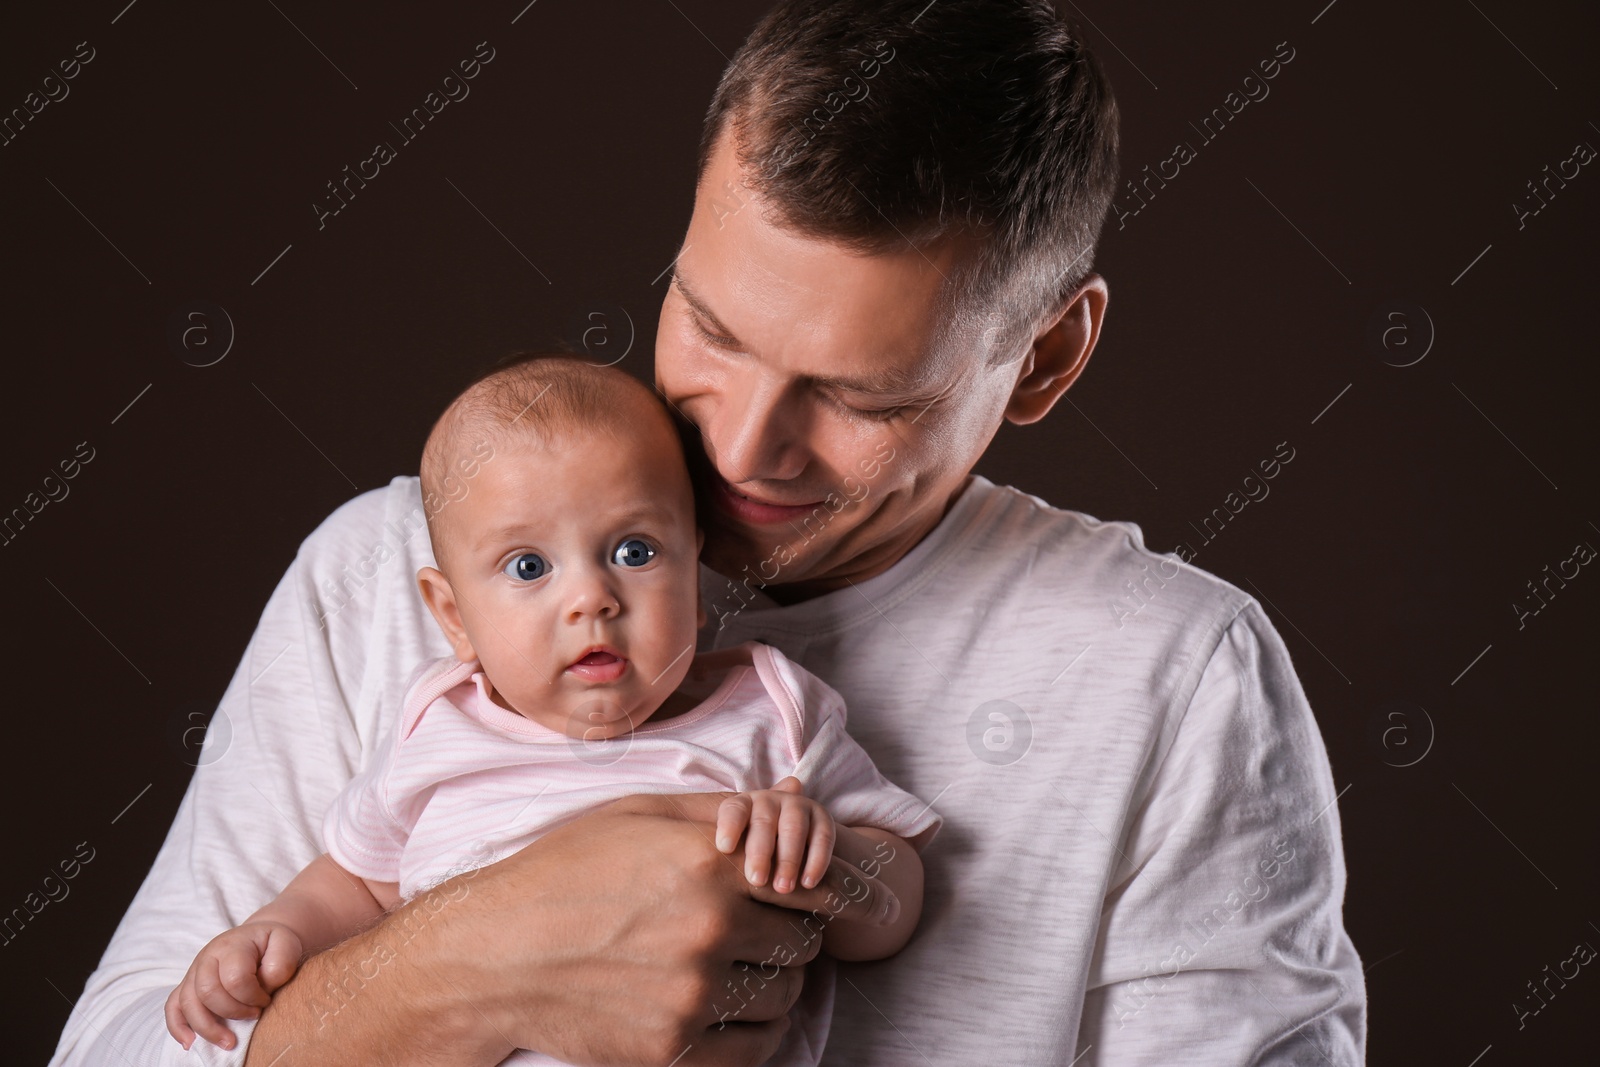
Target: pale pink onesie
464, 782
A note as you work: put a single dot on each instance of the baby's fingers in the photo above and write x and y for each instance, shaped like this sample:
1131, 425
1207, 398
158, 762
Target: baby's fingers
279, 960
229, 988
732, 817
761, 838
819, 851
177, 1025
195, 1012
794, 831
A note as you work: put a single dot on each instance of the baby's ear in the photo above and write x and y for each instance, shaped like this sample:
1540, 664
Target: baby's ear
441, 601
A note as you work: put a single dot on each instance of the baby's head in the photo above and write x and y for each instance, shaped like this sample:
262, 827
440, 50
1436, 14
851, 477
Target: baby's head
563, 523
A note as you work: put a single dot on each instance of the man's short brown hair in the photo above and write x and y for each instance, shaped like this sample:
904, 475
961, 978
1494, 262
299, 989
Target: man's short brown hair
881, 122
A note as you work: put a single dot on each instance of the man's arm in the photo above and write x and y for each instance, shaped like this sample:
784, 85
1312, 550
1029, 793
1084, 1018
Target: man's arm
333, 648
628, 925
1221, 941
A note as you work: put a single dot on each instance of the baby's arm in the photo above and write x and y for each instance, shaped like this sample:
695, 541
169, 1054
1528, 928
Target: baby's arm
792, 836
234, 976
894, 862
326, 904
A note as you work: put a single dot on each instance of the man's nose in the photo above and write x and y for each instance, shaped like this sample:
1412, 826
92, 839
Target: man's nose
591, 594
756, 434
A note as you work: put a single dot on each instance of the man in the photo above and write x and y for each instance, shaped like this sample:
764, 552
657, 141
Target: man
888, 255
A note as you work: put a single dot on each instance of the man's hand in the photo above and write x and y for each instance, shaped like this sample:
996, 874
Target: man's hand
616, 939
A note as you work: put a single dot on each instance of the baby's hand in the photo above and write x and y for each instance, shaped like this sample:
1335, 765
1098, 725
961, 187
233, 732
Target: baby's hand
780, 817
232, 977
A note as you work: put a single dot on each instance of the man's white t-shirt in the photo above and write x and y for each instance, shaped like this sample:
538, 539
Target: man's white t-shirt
1140, 861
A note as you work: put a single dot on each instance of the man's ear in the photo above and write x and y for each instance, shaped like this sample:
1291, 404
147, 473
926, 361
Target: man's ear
441, 601
1059, 353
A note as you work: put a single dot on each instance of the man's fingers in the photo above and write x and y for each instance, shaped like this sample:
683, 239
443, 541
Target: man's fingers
790, 784
746, 1044
732, 817
844, 893
753, 993
771, 937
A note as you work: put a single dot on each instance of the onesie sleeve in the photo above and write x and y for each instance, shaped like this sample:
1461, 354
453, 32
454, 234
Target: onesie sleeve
836, 770
360, 831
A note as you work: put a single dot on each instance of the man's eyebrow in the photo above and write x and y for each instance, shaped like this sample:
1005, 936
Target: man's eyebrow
700, 307
890, 380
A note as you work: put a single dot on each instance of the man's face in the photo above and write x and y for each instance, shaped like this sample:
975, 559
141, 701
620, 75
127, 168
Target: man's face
827, 387
587, 541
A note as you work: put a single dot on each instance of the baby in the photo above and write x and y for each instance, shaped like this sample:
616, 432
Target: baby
568, 587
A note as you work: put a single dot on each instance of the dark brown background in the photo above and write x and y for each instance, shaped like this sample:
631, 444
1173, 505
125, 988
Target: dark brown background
1389, 552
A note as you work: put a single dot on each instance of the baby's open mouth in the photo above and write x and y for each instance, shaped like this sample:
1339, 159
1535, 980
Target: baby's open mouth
599, 665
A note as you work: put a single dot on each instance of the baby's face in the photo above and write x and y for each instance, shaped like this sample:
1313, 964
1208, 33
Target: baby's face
574, 570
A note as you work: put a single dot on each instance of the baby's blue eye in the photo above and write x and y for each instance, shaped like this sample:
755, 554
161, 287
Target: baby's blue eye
528, 567
633, 553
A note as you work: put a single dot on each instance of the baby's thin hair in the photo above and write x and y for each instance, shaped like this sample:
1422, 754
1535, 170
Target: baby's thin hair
532, 396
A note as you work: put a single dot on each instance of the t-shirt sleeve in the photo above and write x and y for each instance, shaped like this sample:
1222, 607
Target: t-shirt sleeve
1221, 939
837, 772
